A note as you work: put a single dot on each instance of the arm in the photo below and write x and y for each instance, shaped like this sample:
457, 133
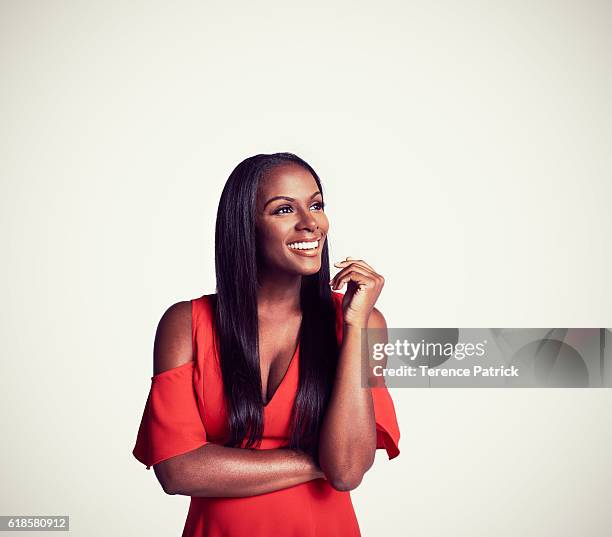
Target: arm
347, 443
214, 470
348, 433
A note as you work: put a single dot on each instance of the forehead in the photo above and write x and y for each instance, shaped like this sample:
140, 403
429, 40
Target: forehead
287, 180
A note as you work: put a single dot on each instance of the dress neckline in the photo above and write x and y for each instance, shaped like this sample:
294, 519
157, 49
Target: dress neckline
283, 380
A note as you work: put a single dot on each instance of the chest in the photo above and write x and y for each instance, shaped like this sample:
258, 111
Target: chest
279, 364
278, 341
275, 350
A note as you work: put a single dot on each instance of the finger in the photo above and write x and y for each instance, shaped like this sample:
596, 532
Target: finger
352, 259
358, 278
356, 266
358, 261
343, 271
362, 264
356, 274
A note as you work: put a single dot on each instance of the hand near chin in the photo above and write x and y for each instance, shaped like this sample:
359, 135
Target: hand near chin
363, 286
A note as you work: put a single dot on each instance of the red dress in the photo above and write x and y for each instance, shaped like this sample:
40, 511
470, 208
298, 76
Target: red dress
185, 409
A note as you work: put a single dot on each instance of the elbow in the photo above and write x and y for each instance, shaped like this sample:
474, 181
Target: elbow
168, 491
346, 481
166, 479
169, 488
346, 473
349, 478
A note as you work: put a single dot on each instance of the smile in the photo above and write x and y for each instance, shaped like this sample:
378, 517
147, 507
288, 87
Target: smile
311, 245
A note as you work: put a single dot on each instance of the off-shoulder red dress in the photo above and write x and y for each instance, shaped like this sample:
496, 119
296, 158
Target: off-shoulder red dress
185, 409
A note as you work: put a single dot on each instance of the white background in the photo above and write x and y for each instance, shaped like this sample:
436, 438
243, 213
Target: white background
464, 149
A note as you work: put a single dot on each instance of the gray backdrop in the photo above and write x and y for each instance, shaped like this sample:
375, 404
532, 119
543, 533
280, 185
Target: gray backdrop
464, 148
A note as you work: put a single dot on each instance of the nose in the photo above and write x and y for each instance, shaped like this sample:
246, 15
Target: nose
307, 221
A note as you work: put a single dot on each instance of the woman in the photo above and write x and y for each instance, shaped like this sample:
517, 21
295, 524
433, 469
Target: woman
257, 409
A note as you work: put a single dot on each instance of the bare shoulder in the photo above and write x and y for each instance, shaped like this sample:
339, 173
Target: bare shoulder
377, 319
173, 346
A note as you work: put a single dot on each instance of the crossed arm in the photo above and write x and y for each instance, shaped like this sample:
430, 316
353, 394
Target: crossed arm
214, 470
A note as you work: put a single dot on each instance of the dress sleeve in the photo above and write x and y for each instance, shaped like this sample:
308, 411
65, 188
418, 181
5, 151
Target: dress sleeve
171, 423
387, 428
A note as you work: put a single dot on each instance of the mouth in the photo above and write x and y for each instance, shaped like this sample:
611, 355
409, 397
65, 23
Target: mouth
307, 248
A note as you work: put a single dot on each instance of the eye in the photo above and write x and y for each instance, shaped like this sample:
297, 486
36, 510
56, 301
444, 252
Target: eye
281, 210
287, 209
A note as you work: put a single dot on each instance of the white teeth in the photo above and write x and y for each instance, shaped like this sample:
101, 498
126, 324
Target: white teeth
304, 245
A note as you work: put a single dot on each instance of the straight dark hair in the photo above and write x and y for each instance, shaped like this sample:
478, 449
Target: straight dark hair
236, 320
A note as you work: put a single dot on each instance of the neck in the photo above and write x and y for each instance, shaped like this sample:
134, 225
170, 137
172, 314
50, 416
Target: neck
279, 294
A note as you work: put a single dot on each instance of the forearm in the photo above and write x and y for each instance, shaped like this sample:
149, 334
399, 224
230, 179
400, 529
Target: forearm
347, 442
219, 471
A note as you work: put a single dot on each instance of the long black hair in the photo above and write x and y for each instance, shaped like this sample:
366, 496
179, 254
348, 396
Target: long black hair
236, 321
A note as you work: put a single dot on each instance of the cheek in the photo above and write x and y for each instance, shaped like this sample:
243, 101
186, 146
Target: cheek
323, 222
271, 239
266, 231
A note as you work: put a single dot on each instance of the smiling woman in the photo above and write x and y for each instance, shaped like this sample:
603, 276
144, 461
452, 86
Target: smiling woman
290, 226
256, 409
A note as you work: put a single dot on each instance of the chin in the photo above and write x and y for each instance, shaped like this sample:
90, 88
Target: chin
306, 269
311, 271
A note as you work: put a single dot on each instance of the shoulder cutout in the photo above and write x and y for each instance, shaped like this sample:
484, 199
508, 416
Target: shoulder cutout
173, 341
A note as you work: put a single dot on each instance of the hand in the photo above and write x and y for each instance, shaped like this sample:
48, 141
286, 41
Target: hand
364, 285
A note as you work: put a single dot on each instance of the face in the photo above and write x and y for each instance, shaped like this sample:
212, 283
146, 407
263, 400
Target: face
291, 224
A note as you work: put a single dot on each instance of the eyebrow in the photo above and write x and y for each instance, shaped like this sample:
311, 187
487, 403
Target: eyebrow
286, 198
